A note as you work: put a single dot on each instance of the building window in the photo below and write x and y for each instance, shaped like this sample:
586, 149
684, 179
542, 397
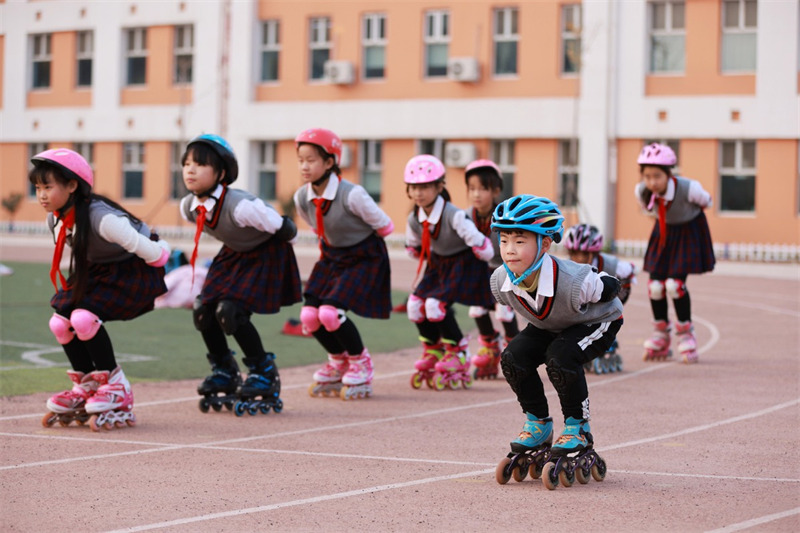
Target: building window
437, 43
571, 38
267, 170
320, 45
86, 150
270, 49
568, 173
85, 51
370, 163
177, 189
739, 25
667, 37
434, 147
502, 153
133, 170
184, 54
737, 172
506, 37
374, 43
136, 56
33, 149
41, 58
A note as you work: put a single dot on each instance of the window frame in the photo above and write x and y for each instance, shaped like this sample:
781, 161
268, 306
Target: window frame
318, 25
737, 171
182, 50
569, 35
369, 42
566, 168
42, 57
741, 28
510, 34
503, 153
270, 44
33, 149
138, 36
84, 52
177, 189
437, 147
438, 21
137, 151
370, 160
669, 30
267, 163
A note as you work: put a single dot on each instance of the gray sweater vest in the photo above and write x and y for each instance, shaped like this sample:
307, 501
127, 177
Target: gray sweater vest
343, 228
680, 210
444, 239
222, 225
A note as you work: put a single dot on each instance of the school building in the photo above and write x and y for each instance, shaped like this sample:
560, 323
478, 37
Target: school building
561, 94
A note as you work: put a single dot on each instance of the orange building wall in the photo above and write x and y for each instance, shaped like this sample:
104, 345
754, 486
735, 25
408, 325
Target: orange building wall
703, 57
158, 88
63, 71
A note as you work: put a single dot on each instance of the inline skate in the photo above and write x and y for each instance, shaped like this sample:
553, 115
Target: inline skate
657, 346
328, 379
219, 389
425, 365
357, 381
261, 391
609, 362
453, 369
487, 360
687, 343
70, 405
112, 405
530, 451
572, 457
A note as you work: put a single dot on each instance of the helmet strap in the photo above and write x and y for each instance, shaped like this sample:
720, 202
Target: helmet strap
537, 263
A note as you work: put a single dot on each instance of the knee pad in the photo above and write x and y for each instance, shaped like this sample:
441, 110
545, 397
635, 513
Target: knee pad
85, 323
514, 374
202, 315
559, 376
309, 317
415, 309
504, 313
230, 316
675, 288
476, 311
655, 289
61, 328
435, 309
331, 317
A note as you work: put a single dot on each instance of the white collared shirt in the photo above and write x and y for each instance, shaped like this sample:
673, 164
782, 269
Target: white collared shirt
463, 226
252, 213
359, 202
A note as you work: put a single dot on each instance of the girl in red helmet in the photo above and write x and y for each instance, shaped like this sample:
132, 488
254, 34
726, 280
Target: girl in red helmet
353, 272
116, 272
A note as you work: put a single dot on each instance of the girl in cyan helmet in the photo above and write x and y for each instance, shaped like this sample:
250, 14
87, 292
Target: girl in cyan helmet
573, 316
680, 244
116, 272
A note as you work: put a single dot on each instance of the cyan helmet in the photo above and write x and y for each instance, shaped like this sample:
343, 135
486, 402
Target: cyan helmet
222, 149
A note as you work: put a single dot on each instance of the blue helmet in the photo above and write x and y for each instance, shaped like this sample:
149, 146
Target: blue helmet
222, 149
527, 212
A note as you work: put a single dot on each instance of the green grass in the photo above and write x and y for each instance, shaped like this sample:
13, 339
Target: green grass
166, 335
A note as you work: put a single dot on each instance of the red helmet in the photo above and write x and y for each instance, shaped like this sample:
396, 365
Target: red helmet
71, 163
325, 139
583, 238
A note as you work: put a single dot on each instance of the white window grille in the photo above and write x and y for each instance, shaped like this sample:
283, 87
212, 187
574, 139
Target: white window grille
374, 42
737, 172
506, 40
667, 37
133, 170
320, 46
739, 28
437, 43
270, 50
184, 54
136, 56
571, 38
84, 57
40, 61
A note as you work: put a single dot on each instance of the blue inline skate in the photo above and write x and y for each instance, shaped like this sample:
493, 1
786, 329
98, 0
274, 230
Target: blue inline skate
573, 457
530, 451
262, 388
609, 362
219, 389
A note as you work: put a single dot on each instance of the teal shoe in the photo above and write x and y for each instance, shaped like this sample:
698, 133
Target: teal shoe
575, 438
534, 433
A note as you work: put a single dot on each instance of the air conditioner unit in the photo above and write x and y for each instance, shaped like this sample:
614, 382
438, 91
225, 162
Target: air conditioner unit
340, 72
459, 154
463, 69
344, 161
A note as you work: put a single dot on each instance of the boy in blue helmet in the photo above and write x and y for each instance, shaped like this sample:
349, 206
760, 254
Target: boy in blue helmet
573, 316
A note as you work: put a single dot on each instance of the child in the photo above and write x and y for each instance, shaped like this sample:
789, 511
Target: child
680, 244
573, 315
255, 271
484, 184
353, 272
583, 243
456, 253
115, 274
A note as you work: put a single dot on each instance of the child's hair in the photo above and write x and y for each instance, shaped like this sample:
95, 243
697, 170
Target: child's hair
324, 155
443, 193
80, 201
487, 177
203, 154
667, 169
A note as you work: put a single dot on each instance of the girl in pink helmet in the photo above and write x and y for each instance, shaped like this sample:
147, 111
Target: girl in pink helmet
116, 272
484, 185
680, 244
353, 271
456, 256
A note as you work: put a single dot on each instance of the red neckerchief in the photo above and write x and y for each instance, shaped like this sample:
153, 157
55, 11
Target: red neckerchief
201, 220
68, 222
662, 215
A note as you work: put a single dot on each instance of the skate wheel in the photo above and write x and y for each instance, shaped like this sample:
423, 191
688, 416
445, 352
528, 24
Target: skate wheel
278, 407
264, 409
438, 382
239, 408
535, 470
467, 383
549, 476
429, 383
453, 384
93, 423
598, 367
502, 473
203, 405
582, 475
566, 476
599, 470
475, 374
416, 381
131, 422
343, 393
229, 406
252, 410
216, 407
49, 419
313, 391
519, 473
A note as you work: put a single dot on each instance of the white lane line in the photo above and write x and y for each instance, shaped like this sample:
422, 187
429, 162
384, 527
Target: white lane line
706, 476
305, 501
747, 524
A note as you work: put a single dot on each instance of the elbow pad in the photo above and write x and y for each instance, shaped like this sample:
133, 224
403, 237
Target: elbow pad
287, 231
611, 287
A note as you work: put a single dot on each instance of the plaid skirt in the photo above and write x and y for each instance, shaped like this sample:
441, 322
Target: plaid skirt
688, 250
120, 290
458, 278
356, 278
260, 280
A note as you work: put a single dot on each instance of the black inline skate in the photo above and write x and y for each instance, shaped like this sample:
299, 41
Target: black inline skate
219, 389
573, 457
262, 388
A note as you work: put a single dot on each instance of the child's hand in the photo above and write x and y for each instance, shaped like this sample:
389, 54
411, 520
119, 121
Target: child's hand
485, 251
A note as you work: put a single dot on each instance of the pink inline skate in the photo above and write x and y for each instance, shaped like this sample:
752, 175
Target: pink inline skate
657, 346
487, 360
112, 404
70, 405
425, 365
687, 344
453, 369
357, 381
328, 379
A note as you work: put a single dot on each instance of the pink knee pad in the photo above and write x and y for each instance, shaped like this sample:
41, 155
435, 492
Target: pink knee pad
415, 309
309, 317
331, 317
61, 328
85, 323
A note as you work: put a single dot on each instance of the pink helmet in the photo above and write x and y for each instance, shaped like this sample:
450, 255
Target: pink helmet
657, 154
583, 238
423, 169
485, 163
325, 139
71, 163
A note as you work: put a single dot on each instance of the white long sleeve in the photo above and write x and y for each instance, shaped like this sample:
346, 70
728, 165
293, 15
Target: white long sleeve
256, 214
118, 229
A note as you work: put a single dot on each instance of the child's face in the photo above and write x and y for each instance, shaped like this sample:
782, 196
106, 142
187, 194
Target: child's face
655, 179
519, 249
311, 164
197, 177
482, 198
580, 256
424, 194
53, 195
